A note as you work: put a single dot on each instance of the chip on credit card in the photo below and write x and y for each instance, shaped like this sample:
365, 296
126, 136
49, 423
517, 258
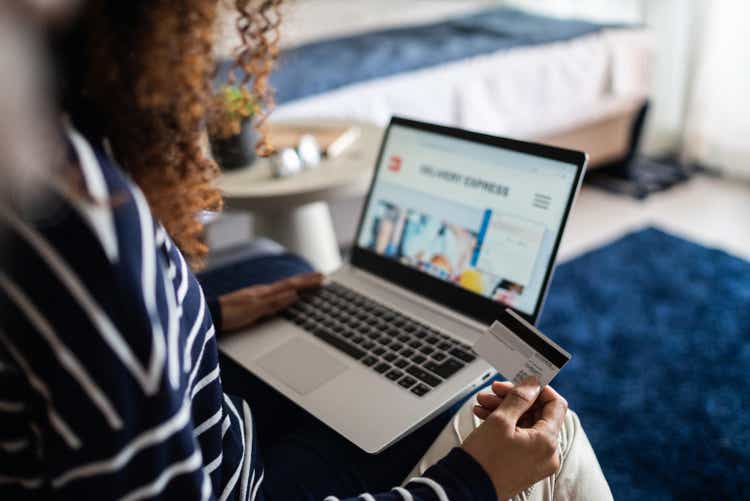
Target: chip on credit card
518, 350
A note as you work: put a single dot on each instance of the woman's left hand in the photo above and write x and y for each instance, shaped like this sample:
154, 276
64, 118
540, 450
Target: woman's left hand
244, 307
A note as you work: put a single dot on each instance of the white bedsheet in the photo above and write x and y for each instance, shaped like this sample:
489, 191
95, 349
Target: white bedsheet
524, 92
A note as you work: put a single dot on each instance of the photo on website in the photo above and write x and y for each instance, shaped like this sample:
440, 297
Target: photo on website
458, 244
480, 217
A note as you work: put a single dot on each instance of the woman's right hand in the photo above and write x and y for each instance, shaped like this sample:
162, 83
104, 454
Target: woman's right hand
517, 443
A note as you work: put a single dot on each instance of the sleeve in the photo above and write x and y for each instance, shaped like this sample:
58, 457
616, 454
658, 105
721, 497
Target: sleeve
457, 477
214, 307
101, 368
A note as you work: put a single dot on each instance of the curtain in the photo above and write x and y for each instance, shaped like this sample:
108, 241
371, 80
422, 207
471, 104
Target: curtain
717, 131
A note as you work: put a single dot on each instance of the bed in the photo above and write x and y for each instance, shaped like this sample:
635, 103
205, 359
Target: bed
470, 64
475, 64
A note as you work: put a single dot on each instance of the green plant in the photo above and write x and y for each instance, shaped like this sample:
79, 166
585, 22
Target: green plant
233, 104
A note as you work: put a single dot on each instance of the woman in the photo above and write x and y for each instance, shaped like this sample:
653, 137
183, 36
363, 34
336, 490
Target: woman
110, 383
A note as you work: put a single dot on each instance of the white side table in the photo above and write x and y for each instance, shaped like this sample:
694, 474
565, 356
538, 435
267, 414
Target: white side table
294, 210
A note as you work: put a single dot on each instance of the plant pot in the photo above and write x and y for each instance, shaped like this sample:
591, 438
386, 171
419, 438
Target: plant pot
236, 151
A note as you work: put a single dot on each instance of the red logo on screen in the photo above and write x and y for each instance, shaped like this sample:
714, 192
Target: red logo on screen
394, 163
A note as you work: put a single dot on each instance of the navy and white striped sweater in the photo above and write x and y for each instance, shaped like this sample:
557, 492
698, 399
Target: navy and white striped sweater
109, 375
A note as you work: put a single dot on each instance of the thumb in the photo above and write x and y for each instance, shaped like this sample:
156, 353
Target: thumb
519, 399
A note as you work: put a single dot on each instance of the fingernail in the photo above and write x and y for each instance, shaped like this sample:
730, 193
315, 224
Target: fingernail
533, 382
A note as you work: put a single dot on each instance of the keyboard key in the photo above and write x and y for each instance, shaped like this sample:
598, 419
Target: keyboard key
423, 375
420, 390
336, 342
445, 345
446, 369
382, 367
407, 382
369, 360
463, 355
433, 340
407, 352
427, 349
379, 337
401, 363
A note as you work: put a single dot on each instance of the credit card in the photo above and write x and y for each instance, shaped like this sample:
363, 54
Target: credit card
518, 350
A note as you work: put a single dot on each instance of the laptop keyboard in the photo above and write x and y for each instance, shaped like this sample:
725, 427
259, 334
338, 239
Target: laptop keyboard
400, 349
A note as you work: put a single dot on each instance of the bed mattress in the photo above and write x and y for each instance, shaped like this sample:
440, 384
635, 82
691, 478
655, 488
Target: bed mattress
463, 63
525, 91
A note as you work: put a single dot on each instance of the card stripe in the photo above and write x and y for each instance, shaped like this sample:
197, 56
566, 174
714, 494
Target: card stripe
528, 336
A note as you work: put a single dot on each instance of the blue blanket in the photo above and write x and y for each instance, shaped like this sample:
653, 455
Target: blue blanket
329, 64
659, 328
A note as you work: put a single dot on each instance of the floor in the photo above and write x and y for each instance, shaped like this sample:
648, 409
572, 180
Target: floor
710, 210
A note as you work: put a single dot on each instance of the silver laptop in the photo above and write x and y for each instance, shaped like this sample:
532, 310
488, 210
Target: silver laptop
456, 227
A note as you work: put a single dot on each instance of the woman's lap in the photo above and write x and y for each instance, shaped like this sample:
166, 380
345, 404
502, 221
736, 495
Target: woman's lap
302, 457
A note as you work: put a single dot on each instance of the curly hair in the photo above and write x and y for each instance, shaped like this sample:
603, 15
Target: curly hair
143, 82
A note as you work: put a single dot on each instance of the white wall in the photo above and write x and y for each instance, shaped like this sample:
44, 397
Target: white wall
675, 26
618, 11
718, 121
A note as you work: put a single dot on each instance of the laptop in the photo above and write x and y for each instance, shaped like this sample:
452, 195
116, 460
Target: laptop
456, 227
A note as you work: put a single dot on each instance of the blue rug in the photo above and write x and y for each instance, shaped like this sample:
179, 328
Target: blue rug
659, 328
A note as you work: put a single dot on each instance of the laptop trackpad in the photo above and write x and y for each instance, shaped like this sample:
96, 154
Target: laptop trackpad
302, 365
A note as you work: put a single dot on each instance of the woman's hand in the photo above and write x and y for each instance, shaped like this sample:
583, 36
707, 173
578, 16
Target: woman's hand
517, 443
244, 307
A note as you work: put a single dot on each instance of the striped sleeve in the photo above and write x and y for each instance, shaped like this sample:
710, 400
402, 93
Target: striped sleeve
93, 373
108, 361
457, 477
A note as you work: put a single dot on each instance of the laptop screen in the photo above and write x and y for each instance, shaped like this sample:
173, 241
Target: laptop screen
479, 216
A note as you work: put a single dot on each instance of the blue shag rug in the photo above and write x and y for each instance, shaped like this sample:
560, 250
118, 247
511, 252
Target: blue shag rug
659, 329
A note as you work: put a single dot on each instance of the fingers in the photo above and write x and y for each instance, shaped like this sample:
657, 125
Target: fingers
298, 282
278, 301
518, 400
501, 388
481, 412
552, 413
489, 401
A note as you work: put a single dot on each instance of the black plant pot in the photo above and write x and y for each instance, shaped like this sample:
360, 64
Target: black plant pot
236, 151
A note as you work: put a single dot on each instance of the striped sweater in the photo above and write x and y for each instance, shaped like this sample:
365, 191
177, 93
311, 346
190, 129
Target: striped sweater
109, 375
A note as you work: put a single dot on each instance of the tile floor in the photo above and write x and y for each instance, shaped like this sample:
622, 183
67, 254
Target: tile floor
712, 211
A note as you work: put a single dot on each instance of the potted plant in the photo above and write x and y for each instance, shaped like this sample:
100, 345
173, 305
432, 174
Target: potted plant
232, 133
